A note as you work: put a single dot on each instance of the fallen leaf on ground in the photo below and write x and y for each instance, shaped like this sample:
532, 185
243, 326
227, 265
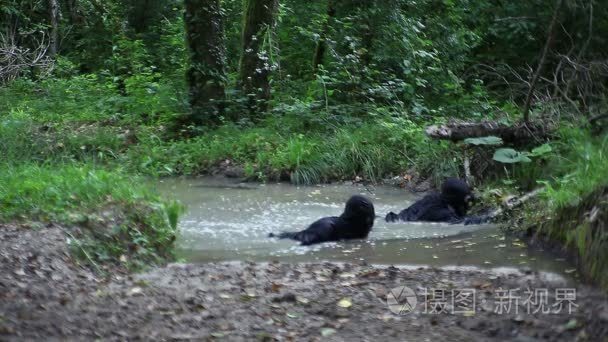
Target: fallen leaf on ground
345, 303
325, 332
302, 300
135, 291
275, 287
571, 325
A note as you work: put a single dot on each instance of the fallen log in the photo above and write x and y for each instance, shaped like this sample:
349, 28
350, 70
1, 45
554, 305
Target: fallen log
510, 134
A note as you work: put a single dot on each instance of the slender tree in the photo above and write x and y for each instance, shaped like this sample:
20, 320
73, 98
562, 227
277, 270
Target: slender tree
53, 7
206, 75
255, 64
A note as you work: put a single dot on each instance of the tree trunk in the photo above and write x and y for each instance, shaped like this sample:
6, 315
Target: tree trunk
206, 74
255, 64
54, 34
322, 42
518, 134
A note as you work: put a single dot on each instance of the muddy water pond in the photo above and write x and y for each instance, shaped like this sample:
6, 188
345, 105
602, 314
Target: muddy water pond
228, 221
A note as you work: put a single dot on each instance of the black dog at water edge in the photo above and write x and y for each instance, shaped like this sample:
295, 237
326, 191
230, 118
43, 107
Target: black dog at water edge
450, 205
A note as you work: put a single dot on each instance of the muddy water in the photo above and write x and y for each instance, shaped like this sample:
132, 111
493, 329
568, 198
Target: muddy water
231, 221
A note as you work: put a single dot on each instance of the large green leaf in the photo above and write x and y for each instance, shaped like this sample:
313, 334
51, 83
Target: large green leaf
510, 156
490, 140
541, 150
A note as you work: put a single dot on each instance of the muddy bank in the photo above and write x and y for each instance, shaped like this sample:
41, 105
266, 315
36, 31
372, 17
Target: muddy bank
44, 295
582, 230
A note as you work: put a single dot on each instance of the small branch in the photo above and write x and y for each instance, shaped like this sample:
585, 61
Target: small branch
512, 18
15, 60
514, 202
467, 169
598, 118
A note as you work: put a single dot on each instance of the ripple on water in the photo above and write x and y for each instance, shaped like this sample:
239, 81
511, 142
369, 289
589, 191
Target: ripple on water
233, 224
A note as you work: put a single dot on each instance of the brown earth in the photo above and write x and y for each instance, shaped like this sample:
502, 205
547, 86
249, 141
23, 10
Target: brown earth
45, 295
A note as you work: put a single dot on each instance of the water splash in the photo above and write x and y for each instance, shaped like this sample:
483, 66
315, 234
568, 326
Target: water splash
232, 223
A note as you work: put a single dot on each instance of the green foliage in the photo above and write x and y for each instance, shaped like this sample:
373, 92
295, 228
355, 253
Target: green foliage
510, 156
367, 151
129, 56
170, 50
541, 150
573, 206
69, 125
117, 217
89, 98
490, 140
578, 167
361, 151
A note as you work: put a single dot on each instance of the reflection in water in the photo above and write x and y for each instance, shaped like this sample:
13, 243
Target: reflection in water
225, 221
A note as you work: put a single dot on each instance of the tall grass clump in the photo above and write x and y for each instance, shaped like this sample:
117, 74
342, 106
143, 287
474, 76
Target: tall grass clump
113, 215
577, 198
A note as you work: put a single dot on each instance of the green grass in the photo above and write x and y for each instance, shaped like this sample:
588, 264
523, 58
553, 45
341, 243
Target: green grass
580, 167
576, 190
116, 214
85, 119
91, 98
367, 150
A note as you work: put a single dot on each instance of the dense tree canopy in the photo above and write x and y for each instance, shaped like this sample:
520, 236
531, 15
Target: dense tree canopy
426, 57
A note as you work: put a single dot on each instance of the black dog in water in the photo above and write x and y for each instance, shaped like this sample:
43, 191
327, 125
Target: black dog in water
355, 223
450, 206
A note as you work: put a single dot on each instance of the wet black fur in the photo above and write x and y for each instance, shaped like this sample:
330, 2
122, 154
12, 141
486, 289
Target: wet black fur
450, 205
355, 223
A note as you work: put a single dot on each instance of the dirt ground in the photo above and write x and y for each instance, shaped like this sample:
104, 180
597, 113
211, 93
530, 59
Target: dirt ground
45, 295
